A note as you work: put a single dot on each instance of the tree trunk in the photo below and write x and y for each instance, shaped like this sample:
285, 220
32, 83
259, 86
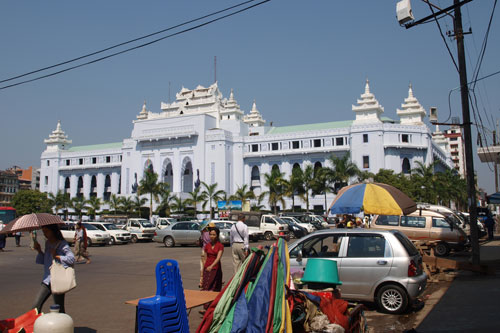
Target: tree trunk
150, 206
326, 209
293, 202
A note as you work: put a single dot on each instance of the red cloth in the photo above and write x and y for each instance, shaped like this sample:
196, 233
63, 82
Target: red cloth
335, 309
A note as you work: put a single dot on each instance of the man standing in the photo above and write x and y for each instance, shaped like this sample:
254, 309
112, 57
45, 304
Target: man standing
239, 242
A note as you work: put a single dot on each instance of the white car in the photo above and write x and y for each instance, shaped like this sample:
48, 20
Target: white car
118, 236
308, 226
163, 222
253, 235
94, 235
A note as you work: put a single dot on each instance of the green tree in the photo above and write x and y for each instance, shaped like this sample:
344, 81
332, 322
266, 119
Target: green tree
127, 206
323, 184
114, 203
166, 198
308, 182
425, 177
60, 201
343, 169
243, 193
31, 201
194, 197
178, 204
138, 203
295, 185
149, 185
93, 206
276, 192
79, 205
211, 195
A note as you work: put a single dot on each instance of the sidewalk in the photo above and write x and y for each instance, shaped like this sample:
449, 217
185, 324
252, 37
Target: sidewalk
472, 303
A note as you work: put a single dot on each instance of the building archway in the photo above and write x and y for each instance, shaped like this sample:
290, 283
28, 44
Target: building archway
67, 185
79, 187
168, 174
93, 186
275, 167
187, 175
406, 168
255, 178
148, 166
107, 188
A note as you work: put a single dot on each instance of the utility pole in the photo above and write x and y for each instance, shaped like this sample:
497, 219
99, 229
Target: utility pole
469, 163
496, 165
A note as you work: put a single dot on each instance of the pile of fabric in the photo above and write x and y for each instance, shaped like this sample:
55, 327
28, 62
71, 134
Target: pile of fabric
258, 299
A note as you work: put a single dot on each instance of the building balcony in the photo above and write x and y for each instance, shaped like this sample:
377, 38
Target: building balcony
284, 152
90, 166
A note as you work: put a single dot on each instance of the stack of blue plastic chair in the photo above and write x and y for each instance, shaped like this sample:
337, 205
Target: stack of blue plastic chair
166, 311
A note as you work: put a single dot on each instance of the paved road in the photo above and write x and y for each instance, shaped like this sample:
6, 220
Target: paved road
123, 272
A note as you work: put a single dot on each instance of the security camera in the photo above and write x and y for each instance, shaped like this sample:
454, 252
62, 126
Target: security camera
403, 10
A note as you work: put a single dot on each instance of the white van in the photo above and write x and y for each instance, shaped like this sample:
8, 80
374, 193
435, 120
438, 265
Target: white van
118, 236
269, 225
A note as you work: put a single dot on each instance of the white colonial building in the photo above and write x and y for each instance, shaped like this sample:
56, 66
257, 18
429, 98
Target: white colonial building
202, 136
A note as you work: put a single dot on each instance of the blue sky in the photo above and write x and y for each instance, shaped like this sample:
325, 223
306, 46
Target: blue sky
302, 61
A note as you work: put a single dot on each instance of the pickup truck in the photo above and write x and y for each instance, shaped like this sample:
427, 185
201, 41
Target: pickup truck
268, 224
140, 229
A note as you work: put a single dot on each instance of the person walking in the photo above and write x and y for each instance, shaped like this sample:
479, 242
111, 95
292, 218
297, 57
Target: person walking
56, 248
17, 236
204, 240
239, 242
2, 237
81, 242
212, 269
489, 223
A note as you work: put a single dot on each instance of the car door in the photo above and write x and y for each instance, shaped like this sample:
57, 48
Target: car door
192, 234
415, 227
441, 230
179, 231
367, 260
135, 227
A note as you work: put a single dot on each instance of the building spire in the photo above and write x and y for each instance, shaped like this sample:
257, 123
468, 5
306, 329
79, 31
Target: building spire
368, 110
57, 139
144, 112
411, 112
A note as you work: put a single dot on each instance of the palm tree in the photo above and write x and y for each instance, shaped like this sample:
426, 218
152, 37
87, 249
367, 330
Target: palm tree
323, 183
424, 177
294, 186
94, 204
211, 194
343, 169
57, 201
127, 206
308, 181
243, 193
114, 203
178, 205
276, 193
138, 203
78, 205
166, 198
149, 185
194, 197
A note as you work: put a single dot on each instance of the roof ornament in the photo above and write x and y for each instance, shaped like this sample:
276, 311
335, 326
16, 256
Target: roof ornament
411, 112
144, 112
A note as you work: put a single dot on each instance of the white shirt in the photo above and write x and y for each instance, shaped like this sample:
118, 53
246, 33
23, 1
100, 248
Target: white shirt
242, 236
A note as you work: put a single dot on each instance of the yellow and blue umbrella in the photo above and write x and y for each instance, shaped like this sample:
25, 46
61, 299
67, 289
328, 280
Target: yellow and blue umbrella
372, 198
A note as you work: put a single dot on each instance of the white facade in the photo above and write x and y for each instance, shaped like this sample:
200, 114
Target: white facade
202, 136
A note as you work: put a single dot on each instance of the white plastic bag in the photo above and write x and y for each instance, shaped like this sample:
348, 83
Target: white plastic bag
62, 279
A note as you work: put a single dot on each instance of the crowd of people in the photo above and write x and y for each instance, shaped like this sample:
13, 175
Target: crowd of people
349, 221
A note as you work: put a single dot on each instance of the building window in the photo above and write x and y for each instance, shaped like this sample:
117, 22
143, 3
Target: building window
274, 146
295, 144
451, 139
255, 148
67, 162
317, 143
48, 163
121, 158
406, 166
365, 138
366, 162
46, 180
80, 161
339, 141
94, 160
108, 159
405, 138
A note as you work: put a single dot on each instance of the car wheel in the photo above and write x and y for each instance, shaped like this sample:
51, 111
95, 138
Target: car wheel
268, 235
169, 241
442, 249
89, 242
112, 241
134, 238
392, 299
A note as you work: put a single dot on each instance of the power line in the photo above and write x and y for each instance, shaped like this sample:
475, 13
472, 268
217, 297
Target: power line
131, 48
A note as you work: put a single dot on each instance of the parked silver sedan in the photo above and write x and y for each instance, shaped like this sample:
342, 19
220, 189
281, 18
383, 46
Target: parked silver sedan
373, 265
179, 233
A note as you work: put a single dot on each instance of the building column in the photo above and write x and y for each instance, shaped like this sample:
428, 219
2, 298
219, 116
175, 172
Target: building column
86, 185
115, 179
176, 170
100, 185
61, 183
73, 184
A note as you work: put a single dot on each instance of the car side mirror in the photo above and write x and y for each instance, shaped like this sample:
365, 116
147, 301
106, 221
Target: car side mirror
299, 256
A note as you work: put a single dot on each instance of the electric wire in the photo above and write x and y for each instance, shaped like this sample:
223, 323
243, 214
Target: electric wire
136, 47
125, 43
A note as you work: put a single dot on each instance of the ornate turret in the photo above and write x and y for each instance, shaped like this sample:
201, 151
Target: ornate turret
58, 139
144, 113
368, 109
254, 118
231, 108
411, 113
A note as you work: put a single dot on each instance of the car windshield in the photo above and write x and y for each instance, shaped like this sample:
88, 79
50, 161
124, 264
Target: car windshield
89, 226
146, 224
110, 226
280, 221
